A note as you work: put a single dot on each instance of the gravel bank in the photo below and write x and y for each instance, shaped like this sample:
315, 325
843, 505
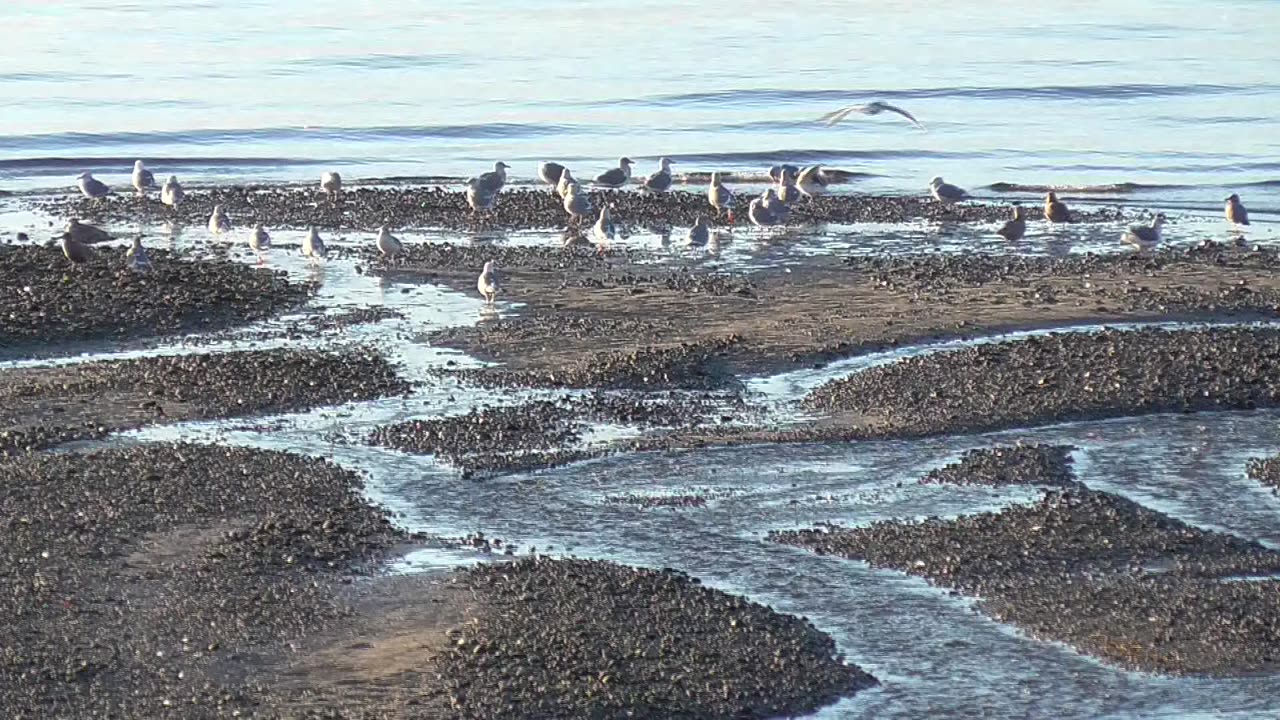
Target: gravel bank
367, 208
1266, 471
1061, 377
49, 301
44, 406
1098, 572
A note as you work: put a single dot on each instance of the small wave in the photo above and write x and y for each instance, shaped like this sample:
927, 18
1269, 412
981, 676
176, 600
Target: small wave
372, 62
223, 137
1105, 189
814, 156
754, 96
41, 165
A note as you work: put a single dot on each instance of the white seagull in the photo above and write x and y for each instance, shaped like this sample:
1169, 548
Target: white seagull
91, 187
604, 231
773, 204
720, 197
489, 284
871, 108
171, 194
312, 245
1144, 237
566, 180
388, 244
946, 192
758, 214
136, 257
218, 221
260, 240
812, 181
143, 180
577, 203
550, 172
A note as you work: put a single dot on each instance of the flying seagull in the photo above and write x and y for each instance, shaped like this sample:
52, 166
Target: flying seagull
871, 108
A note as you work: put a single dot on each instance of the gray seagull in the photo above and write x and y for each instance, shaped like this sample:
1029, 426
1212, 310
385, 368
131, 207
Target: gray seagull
871, 108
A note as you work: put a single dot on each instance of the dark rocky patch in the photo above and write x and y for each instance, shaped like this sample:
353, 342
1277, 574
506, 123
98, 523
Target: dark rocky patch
1096, 571
579, 638
1266, 471
1045, 465
148, 581
48, 300
367, 208
1061, 377
44, 406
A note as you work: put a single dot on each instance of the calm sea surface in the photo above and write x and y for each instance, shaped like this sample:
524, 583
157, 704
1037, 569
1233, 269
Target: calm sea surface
1155, 92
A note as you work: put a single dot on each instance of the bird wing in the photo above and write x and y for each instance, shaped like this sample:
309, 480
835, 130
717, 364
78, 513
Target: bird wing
836, 116
903, 113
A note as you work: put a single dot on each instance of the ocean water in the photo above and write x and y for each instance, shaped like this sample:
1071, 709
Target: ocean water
1179, 95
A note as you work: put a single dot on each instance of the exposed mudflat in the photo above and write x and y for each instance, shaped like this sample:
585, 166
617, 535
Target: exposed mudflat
1097, 571
45, 406
48, 301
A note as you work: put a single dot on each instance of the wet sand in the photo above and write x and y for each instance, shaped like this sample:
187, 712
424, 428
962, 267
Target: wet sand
1094, 570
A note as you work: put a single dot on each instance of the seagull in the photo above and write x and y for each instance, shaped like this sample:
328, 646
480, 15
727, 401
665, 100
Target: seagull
75, 250
812, 181
550, 172
577, 203
603, 231
84, 233
1055, 211
775, 171
387, 243
492, 182
218, 221
489, 284
787, 190
1144, 236
562, 185
618, 176
660, 181
758, 214
871, 108
1235, 210
773, 204
946, 192
136, 257
312, 245
171, 194
331, 184
699, 233
260, 240
720, 197
479, 197
91, 187
143, 180
1014, 229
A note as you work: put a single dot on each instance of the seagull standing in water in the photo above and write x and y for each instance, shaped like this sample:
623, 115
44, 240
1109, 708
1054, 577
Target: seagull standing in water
720, 197
1015, 228
660, 181
91, 187
388, 244
480, 197
1144, 237
331, 184
136, 257
218, 221
946, 192
758, 214
489, 284
788, 192
143, 180
871, 108
617, 177
1055, 211
699, 233
550, 172
312, 245
1235, 210
492, 182
259, 241
772, 204
171, 194
604, 231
